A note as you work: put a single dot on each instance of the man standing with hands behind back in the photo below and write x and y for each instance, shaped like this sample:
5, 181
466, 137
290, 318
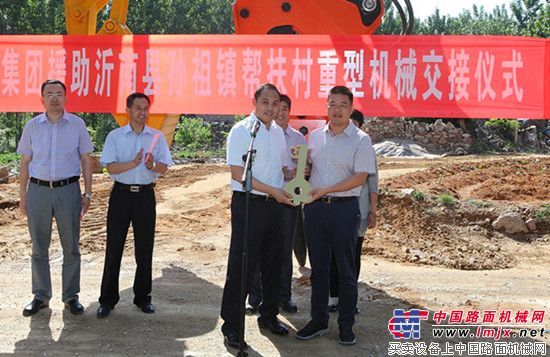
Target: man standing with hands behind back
132, 200
54, 145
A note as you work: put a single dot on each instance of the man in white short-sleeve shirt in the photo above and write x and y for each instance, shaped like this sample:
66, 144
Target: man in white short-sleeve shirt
265, 210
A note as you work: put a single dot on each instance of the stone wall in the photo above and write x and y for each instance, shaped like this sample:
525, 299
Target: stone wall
437, 136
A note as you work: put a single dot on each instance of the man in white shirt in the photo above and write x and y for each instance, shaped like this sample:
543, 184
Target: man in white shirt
265, 240
290, 215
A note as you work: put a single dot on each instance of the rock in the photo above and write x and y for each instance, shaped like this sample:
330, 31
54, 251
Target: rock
4, 174
531, 224
510, 222
460, 151
407, 191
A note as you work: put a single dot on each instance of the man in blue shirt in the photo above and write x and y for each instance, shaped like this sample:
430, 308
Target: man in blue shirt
134, 169
54, 145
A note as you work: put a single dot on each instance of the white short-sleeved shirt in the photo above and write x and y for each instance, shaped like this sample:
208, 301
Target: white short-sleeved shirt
271, 153
122, 145
334, 158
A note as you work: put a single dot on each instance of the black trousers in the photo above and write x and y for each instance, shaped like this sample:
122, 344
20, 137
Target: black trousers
139, 209
265, 243
332, 235
334, 284
288, 222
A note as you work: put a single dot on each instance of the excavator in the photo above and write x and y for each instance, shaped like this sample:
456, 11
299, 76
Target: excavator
335, 17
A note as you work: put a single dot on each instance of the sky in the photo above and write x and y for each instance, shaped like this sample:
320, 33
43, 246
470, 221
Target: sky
424, 8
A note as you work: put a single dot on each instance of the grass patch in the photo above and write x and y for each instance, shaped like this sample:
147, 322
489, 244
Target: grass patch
446, 199
479, 204
418, 195
199, 154
543, 213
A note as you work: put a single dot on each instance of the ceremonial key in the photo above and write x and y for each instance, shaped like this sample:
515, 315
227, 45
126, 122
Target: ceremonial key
298, 187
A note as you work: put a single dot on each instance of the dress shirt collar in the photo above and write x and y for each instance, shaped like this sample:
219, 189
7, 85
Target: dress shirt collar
128, 128
349, 130
44, 117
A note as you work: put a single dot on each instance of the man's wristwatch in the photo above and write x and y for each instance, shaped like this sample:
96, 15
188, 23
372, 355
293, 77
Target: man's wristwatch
87, 195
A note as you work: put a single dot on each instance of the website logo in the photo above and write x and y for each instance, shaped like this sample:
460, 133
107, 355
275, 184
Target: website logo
405, 325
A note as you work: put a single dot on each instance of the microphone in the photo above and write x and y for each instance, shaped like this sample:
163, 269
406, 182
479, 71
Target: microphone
255, 128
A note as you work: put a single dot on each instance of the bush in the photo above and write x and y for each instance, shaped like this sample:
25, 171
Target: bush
192, 134
99, 125
506, 128
9, 158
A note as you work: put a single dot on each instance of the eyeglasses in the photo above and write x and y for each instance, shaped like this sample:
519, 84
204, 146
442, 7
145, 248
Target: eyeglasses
51, 96
332, 106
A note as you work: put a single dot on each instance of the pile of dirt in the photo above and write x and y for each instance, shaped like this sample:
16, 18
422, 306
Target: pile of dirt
503, 180
422, 233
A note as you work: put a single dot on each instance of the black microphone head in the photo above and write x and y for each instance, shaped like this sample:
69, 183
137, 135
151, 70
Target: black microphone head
304, 130
255, 128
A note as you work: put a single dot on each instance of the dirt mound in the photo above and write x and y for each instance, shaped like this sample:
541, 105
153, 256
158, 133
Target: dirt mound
419, 232
505, 180
93, 227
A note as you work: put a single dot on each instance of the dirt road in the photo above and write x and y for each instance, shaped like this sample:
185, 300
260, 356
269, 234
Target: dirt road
420, 256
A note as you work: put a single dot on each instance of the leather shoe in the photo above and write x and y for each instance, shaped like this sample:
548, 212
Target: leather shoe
232, 339
103, 311
147, 308
274, 325
34, 306
289, 306
74, 306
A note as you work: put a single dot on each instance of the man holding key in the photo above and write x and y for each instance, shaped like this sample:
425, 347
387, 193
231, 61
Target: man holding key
135, 156
290, 214
341, 160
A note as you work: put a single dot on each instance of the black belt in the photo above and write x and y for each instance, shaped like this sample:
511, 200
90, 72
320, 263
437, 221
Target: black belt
54, 184
334, 199
133, 188
254, 196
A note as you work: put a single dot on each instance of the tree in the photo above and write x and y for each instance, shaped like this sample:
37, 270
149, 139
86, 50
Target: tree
532, 17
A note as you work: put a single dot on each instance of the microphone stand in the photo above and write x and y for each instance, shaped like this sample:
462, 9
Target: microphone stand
247, 187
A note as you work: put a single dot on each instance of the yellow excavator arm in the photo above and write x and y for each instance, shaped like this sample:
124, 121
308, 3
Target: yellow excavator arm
81, 17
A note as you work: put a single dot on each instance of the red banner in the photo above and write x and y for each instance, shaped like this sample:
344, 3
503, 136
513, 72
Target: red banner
422, 76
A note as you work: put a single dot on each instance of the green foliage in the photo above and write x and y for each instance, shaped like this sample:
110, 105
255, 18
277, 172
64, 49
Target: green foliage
543, 213
479, 204
9, 158
180, 16
418, 195
239, 117
446, 199
32, 17
99, 125
506, 128
11, 128
200, 154
192, 134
